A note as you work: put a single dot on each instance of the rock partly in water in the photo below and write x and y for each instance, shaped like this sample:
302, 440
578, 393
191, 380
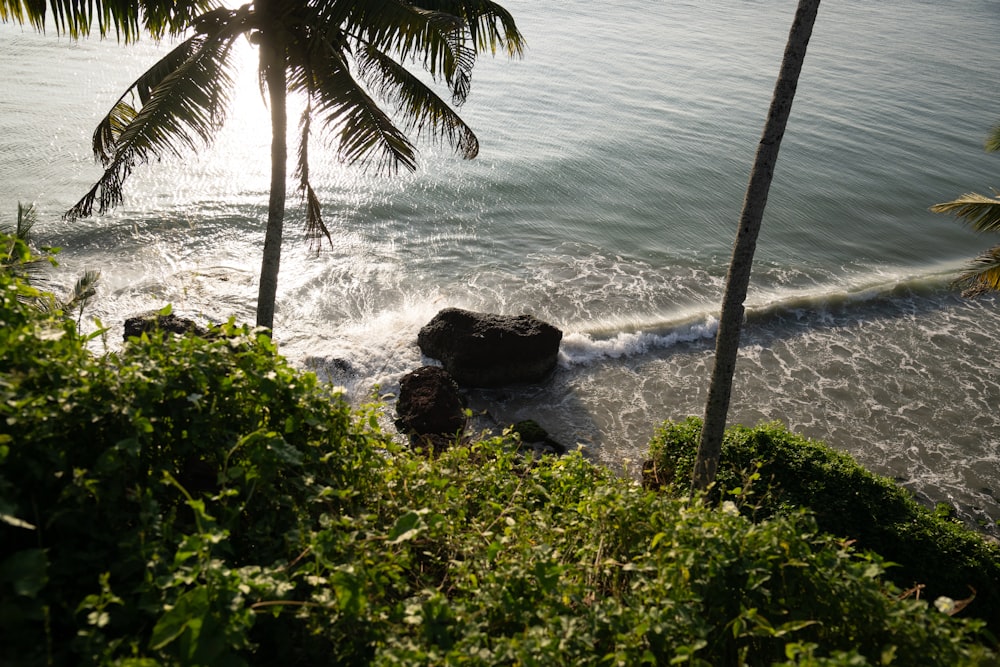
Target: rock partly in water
136, 326
333, 369
487, 350
430, 409
537, 438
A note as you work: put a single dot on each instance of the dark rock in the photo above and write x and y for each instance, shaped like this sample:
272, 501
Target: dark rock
335, 367
344, 367
487, 350
136, 326
530, 431
430, 408
537, 438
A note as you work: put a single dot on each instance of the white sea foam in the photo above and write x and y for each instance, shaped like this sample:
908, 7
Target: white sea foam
582, 348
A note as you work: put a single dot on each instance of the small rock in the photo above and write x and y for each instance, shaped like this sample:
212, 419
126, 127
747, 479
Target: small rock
430, 409
537, 438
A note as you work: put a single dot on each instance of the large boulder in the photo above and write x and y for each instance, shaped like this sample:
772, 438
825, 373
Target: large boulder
430, 409
487, 350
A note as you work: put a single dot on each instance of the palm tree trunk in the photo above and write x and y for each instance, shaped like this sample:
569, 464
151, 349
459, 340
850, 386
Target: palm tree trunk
272, 63
731, 318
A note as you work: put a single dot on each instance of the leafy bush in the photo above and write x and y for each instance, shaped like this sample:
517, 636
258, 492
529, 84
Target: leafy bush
195, 502
147, 464
774, 470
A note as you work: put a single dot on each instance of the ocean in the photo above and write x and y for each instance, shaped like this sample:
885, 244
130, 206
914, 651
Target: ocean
614, 157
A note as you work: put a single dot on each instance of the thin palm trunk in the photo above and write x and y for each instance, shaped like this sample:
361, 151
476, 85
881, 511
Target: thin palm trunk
272, 60
731, 318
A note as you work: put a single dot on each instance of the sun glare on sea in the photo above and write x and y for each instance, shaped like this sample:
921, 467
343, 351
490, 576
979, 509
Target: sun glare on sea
242, 148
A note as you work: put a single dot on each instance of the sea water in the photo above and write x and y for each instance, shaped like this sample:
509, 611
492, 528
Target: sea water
614, 157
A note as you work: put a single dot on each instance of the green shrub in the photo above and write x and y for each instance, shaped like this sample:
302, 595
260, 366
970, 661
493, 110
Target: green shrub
774, 470
142, 464
561, 563
194, 502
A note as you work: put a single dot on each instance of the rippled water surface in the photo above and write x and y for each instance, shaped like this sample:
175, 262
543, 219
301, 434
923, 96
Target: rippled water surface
613, 162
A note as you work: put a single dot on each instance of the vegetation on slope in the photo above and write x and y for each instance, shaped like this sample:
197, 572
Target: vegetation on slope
199, 502
770, 470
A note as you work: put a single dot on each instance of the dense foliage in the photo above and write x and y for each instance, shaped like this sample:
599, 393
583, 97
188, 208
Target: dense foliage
772, 470
199, 502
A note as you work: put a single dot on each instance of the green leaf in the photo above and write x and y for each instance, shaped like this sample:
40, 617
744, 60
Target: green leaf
284, 451
407, 527
350, 592
187, 614
792, 626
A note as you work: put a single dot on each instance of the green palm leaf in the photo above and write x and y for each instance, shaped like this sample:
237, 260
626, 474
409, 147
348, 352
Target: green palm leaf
126, 19
315, 228
16, 257
444, 36
364, 133
980, 212
417, 106
183, 100
490, 26
84, 288
111, 128
27, 217
981, 275
993, 141
410, 33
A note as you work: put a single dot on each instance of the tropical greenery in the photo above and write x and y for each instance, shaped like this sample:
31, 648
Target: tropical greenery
191, 501
16, 257
348, 59
981, 213
125, 19
767, 470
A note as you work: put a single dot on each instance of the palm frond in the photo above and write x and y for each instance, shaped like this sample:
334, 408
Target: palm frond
438, 40
126, 19
993, 141
315, 228
490, 26
124, 111
982, 275
84, 288
20, 12
183, 101
17, 257
448, 53
419, 108
27, 217
364, 133
979, 212
174, 17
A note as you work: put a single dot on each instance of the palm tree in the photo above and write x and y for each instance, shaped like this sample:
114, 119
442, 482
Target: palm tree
727, 342
17, 258
346, 57
982, 214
